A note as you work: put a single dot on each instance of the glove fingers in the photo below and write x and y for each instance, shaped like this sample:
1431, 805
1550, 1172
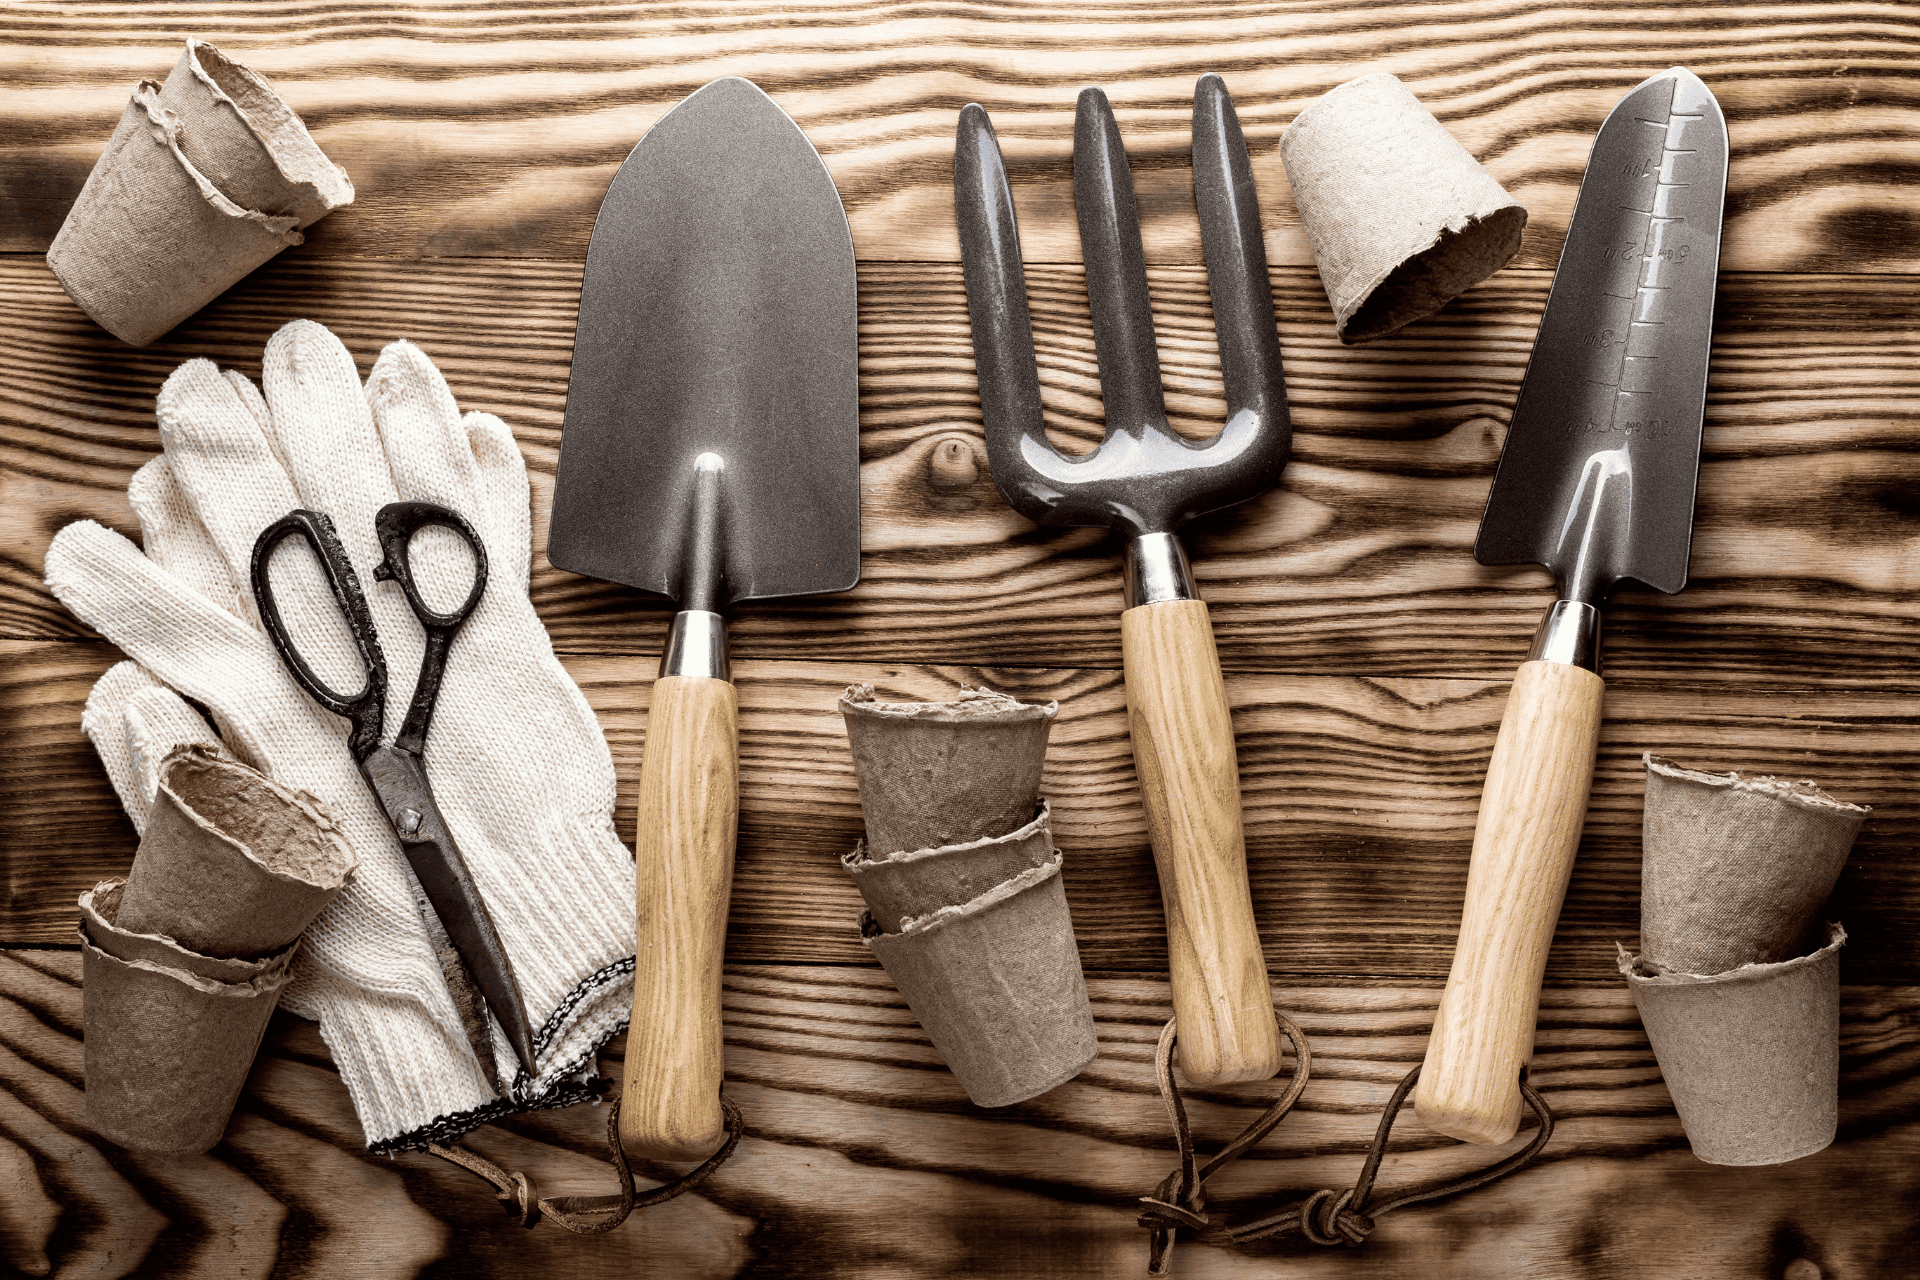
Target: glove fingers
250, 397
134, 721
157, 720
103, 721
505, 498
256, 405
225, 466
427, 454
222, 461
185, 639
419, 424
325, 431
174, 537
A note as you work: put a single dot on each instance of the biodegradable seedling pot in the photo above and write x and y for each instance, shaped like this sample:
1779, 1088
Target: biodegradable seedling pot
1401, 218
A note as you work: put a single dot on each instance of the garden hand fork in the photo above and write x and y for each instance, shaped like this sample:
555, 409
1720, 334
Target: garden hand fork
1145, 480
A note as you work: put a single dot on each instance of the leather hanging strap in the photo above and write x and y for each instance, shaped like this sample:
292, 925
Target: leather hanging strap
1325, 1217
589, 1215
1180, 1200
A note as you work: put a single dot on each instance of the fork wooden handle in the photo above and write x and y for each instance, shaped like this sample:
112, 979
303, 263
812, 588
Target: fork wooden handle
1190, 785
1531, 813
683, 852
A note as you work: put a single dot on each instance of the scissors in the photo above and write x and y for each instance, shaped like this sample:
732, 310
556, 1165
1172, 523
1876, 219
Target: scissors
453, 909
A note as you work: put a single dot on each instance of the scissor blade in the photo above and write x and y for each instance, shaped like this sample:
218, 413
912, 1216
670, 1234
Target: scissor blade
468, 1002
399, 778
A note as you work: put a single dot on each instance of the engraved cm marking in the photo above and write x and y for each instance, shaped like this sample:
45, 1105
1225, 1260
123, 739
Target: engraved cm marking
1659, 254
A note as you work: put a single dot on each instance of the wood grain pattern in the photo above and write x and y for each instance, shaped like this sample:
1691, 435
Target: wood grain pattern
1359, 796
1524, 840
1806, 555
863, 1157
1367, 655
1181, 734
494, 130
689, 808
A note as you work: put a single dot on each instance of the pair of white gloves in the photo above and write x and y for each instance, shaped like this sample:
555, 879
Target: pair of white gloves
517, 762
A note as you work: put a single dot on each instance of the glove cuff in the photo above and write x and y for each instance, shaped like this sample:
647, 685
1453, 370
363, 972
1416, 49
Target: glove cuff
412, 1084
564, 908
566, 911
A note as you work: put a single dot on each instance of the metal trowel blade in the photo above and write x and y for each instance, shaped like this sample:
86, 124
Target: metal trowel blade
1597, 478
717, 316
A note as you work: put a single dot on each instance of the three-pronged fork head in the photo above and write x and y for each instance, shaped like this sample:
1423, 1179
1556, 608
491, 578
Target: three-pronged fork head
1145, 478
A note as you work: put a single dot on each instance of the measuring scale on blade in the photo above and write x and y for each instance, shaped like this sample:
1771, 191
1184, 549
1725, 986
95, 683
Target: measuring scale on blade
1596, 483
1620, 367
1655, 245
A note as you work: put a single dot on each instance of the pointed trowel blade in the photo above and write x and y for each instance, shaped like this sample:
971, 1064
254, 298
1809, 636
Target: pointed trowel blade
1597, 478
717, 316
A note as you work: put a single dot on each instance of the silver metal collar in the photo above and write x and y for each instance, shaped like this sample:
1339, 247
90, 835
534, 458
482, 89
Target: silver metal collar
1157, 570
697, 646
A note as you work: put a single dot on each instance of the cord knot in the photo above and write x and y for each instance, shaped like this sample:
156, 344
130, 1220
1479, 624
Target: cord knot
1161, 1216
1326, 1219
519, 1200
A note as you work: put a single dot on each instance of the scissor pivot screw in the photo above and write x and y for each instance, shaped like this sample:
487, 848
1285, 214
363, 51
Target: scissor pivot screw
409, 821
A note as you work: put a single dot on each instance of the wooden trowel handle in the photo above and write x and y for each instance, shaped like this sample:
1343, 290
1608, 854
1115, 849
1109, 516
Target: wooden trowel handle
1531, 813
689, 806
1190, 784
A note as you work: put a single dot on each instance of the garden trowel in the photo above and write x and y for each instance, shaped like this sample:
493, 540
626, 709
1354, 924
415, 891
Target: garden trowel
1596, 482
710, 454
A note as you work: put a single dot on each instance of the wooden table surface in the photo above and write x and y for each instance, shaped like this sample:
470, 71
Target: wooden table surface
1367, 653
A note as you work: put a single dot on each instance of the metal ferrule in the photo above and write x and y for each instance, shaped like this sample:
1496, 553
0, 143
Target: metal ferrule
697, 646
1570, 633
1157, 570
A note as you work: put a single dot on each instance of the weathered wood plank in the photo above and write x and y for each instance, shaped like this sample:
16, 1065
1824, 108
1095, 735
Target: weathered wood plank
862, 1155
493, 130
1360, 798
1368, 653
1806, 558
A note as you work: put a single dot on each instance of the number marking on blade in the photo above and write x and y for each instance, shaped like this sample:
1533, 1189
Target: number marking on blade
1641, 265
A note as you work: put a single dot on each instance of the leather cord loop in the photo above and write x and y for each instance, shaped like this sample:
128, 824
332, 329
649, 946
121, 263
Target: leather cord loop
1326, 1217
1180, 1200
590, 1215
1349, 1218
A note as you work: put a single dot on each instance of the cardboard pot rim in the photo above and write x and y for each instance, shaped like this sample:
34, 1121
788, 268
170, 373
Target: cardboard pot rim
972, 705
858, 859
1641, 972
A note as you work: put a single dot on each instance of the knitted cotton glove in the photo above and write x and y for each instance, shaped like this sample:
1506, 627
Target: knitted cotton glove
516, 760
134, 720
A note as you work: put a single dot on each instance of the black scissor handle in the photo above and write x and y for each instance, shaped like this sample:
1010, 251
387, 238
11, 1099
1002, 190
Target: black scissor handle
367, 708
395, 526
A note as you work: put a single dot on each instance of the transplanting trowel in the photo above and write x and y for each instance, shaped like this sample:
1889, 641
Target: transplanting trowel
1596, 483
710, 454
